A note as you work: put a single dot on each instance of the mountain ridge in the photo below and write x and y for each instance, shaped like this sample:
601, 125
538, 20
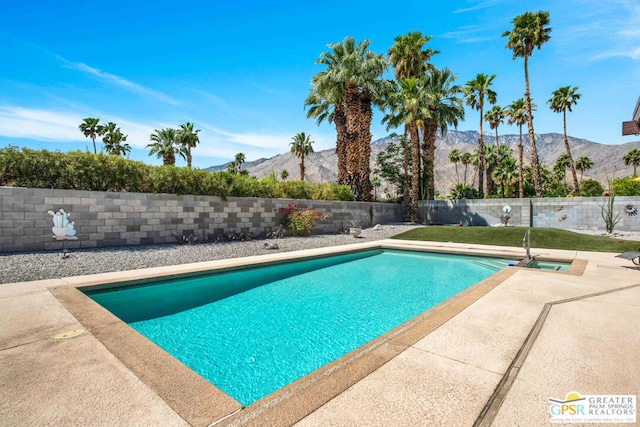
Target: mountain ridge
321, 166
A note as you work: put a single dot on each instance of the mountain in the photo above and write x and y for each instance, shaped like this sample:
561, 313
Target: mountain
322, 166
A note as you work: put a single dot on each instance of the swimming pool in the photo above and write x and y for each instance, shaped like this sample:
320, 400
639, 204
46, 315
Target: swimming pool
253, 331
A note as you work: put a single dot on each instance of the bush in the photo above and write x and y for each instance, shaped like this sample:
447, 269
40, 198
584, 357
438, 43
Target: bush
298, 220
591, 188
625, 186
463, 191
79, 170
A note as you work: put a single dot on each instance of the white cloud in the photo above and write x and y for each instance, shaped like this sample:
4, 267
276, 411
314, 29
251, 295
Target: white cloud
46, 125
118, 81
62, 127
42, 125
481, 5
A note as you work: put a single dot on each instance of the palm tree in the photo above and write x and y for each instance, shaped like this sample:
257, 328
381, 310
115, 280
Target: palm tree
408, 57
475, 92
495, 117
506, 174
113, 140
187, 137
352, 80
530, 30
239, 161
405, 105
284, 174
454, 157
518, 115
560, 168
444, 108
632, 158
561, 101
466, 160
410, 60
165, 146
584, 163
91, 129
301, 145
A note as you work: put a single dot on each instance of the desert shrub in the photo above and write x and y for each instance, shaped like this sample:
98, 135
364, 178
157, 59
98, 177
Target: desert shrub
330, 191
299, 220
80, 170
625, 186
591, 188
463, 191
295, 189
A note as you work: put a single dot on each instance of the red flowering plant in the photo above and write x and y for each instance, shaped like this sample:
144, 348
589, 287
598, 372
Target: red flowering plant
298, 220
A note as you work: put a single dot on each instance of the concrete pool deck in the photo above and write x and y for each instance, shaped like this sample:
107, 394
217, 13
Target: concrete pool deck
494, 354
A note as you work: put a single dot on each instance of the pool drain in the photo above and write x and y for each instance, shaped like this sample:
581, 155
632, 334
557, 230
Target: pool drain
69, 334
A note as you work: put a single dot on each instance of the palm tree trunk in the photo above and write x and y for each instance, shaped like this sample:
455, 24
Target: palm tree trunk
429, 151
364, 145
576, 186
302, 167
189, 156
352, 109
341, 141
537, 183
520, 169
415, 172
480, 160
94, 145
406, 196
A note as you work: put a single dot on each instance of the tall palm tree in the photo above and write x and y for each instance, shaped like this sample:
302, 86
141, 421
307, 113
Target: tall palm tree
530, 30
444, 109
518, 115
495, 117
454, 157
561, 101
301, 146
466, 160
360, 72
188, 138
405, 105
91, 129
165, 146
475, 92
410, 60
584, 163
632, 158
113, 140
408, 57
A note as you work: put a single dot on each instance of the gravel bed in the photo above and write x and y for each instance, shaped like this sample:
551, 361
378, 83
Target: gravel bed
23, 267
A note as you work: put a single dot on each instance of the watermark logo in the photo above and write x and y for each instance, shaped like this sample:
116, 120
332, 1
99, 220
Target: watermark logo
576, 408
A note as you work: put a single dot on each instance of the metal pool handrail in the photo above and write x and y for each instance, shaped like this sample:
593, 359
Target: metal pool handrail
526, 242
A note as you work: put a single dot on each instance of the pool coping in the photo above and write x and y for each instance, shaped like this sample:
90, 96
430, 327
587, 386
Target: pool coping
200, 403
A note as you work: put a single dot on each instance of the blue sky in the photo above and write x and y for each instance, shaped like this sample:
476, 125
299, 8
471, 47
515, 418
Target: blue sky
241, 70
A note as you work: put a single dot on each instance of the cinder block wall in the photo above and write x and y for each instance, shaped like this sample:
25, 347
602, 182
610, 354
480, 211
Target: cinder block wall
103, 219
577, 213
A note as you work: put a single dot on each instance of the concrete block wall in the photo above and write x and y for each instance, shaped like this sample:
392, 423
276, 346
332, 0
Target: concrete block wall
104, 219
577, 213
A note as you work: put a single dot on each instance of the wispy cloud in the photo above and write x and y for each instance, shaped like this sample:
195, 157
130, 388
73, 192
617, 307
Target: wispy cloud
468, 34
482, 4
118, 81
604, 30
55, 126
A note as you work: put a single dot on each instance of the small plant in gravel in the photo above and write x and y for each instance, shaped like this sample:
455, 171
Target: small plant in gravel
298, 220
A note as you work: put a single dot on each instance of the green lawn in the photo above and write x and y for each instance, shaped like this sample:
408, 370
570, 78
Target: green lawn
549, 238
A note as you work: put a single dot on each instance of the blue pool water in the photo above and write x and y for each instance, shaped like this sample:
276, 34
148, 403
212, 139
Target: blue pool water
253, 331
